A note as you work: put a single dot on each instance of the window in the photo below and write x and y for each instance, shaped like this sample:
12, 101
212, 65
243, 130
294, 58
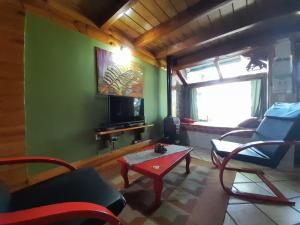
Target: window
224, 104
174, 102
206, 72
229, 89
176, 87
229, 67
237, 66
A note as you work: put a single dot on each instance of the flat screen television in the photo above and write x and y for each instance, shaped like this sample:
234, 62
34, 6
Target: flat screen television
125, 110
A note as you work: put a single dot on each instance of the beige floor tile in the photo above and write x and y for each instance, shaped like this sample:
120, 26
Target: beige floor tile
228, 220
274, 178
252, 177
248, 214
233, 200
264, 186
297, 203
293, 184
234, 188
283, 187
241, 164
287, 189
282, 215
240, 178
277, 175
252, 188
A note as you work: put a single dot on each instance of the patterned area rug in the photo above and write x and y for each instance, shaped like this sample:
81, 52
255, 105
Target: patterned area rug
193, 199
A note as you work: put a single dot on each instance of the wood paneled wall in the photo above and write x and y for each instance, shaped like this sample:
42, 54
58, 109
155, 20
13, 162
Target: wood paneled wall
12, 134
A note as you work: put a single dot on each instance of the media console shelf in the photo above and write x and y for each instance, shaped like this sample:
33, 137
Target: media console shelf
111, 135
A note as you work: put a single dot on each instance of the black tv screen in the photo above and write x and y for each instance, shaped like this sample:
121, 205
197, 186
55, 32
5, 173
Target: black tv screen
125, 110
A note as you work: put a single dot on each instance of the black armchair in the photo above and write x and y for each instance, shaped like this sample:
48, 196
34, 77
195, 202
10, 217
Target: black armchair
279, 129
79, 197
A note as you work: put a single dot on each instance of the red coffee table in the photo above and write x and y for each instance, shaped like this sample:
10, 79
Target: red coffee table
166, 163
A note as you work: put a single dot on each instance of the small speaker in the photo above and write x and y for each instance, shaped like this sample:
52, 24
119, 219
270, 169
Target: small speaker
171, 130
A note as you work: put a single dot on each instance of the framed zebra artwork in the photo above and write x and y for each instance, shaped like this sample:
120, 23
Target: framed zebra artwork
118, 76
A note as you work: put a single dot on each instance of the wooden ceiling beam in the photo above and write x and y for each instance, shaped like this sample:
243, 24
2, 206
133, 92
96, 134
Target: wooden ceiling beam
207, 36
260, 34
113, 12
105, 25
75, 21
181, 78
65, 13
193, 13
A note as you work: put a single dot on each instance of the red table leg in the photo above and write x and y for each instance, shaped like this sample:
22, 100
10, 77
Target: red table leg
158, 186
187, 165
124, 174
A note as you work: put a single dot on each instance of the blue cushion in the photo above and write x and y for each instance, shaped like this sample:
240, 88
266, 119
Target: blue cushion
284, 111
252, 155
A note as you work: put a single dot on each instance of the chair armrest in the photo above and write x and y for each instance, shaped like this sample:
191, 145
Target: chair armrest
237, 132
57, 213
256, 144
242, 147
272, 142
35, 159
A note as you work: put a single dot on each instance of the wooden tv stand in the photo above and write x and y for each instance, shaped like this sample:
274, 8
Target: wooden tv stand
110, 135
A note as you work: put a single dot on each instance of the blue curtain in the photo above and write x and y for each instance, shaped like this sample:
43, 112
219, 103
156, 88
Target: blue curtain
194, 105
258, 98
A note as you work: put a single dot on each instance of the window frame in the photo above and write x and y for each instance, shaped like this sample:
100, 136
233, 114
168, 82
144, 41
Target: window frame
262, 76
230, 80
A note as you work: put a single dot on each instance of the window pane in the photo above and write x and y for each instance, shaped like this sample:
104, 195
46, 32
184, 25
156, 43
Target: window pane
176, 85
237, 66
204, 72
230, 66
174, 102
225, 104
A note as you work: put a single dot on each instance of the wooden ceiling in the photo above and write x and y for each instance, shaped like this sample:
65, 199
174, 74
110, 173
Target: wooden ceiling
175, 28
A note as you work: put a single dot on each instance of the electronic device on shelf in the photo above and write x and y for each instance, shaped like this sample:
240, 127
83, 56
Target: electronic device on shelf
126, 114
125, 111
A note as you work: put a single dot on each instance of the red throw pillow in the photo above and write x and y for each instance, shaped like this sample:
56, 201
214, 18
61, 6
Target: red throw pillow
187, 120
252, 122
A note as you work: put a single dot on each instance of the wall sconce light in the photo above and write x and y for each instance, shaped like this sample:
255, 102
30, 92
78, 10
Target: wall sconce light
122, 56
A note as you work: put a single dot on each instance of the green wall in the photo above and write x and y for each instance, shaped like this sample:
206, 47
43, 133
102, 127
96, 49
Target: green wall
61, 103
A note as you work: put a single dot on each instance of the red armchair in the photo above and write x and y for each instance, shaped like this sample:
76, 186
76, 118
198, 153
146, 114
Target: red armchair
80, 196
